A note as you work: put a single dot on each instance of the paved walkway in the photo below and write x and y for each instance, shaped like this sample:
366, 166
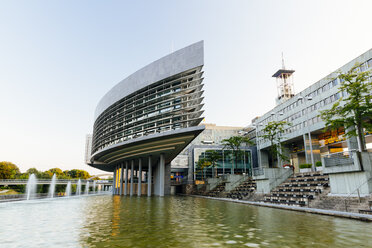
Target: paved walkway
364, 217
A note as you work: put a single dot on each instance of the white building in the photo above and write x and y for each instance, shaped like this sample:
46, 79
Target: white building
306, 140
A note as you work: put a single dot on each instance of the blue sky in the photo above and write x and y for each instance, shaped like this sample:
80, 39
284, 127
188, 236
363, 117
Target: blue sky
58, 58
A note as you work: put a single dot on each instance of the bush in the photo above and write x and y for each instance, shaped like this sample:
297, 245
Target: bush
305, 166
318, 164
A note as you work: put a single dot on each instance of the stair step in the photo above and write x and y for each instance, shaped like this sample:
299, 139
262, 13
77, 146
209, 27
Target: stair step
365, 211
290, 203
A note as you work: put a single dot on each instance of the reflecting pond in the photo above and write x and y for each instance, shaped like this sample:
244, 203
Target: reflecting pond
114, 221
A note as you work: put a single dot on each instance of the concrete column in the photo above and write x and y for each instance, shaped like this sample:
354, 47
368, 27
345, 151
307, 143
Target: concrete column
139, 189
161, 174
306, 148
113, 181
149, 178
121, 178
126, 178
311, 153
131, 177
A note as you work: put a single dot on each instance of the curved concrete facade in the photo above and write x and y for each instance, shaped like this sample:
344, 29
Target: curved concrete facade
148, 118
182, 60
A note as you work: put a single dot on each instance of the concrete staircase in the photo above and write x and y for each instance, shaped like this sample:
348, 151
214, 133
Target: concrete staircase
366, 210
299, 189
243, 191
345, 204
217, 190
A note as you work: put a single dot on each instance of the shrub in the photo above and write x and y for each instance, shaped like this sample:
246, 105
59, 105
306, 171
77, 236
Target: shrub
318, 164
305, 166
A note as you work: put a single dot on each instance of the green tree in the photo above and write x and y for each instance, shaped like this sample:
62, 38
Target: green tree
8, 170
234, 143
272, 132
213, 157
75, 173
56, 171
202, 164
354, 110
33, 171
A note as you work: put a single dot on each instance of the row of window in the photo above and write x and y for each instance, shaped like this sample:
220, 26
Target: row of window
313, 107
363, 67
137, 117
120, 115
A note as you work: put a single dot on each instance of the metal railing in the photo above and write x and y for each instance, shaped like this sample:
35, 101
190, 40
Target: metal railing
357, 190
338, 159
282, 177
258, 171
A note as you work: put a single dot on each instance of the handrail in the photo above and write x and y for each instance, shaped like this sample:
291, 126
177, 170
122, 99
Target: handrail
280, 177
356, 190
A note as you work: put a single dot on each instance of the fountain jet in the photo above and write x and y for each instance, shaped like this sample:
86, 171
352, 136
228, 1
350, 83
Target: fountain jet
52, 187
68, 190
87, 188
31, 186
94, 186
78, 187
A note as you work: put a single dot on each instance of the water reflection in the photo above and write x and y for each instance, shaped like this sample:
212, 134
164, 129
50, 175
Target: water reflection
107, 221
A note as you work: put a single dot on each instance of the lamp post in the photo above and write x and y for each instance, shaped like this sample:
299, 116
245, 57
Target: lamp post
306, 99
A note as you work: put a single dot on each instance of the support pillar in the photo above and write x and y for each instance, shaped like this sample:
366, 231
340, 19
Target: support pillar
131, 177
126, 178
161, 174
139, 189
149, 178
121, 178
306, 148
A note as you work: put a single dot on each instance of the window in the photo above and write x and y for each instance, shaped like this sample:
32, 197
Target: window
363, 67
370, 63
319, 91
338, 95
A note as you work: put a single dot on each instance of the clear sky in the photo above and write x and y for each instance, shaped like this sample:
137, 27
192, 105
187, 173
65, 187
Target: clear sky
58, 58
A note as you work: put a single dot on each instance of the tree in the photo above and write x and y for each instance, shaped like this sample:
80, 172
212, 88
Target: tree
8, 170
272, 133
353, 111
56, 171
34, 171
234, 143
75, 173
213, 157
201, 164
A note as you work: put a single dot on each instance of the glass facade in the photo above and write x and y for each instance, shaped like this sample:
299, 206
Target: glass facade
170, 104
226, 164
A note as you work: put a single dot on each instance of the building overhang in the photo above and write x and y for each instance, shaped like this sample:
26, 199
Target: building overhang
169, 143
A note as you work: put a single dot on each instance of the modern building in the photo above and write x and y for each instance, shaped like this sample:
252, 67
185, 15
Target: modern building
147, 119
306, 140
184, 165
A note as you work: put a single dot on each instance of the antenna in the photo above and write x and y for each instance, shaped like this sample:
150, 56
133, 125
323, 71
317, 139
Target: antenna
283, 66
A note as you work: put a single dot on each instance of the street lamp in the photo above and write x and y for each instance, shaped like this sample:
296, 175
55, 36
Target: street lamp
308, 98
